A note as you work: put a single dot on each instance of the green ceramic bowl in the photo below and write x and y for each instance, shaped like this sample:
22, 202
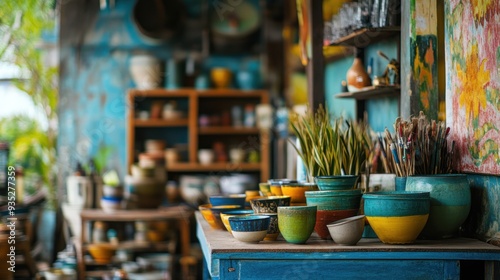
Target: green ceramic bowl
296, 223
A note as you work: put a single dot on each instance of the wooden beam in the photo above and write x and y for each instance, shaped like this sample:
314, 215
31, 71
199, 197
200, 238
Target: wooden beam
315, 66
419, 71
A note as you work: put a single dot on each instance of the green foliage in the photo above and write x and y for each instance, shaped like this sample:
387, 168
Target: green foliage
22, 24
328, 147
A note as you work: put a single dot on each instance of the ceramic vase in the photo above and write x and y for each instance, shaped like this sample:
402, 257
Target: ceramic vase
450, 202
357, 77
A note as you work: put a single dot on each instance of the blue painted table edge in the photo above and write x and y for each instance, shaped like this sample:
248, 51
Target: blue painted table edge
228, 258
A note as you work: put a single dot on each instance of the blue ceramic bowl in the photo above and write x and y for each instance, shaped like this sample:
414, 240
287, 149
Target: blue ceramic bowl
397, 217
232, 199
249, 223
251, 228
334, 200
335, 183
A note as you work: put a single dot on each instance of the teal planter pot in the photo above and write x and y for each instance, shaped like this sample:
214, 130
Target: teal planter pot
400, 183
397, 217
334, 200
450, 202
335, 183
296, 223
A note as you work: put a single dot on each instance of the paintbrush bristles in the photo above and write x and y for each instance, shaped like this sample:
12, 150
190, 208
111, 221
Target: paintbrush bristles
417, 147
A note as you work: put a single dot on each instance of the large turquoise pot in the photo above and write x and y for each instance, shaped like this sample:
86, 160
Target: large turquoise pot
397, 217
450, 202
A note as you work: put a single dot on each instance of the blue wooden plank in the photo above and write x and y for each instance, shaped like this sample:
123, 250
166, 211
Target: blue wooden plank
340, 269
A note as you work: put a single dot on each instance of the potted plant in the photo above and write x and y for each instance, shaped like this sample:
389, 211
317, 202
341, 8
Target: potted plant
330, 147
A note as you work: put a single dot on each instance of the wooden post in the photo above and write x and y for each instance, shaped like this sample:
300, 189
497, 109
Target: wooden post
315, 66
419, 77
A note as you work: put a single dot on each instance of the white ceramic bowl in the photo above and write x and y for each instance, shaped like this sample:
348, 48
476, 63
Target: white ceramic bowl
206, 156
111, 204
347, 231
250, 236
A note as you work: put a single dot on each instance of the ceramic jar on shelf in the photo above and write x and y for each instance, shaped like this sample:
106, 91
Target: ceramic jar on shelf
357, 77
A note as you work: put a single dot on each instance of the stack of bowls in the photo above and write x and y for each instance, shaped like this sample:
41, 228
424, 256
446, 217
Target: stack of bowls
337, 199
297, 191
212, 214
275, 185
269, 206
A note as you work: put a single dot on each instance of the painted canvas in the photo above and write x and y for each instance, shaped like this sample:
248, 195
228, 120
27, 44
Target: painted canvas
473, 82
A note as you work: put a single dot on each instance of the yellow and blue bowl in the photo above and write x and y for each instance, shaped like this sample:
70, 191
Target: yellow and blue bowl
225, 216
397, 217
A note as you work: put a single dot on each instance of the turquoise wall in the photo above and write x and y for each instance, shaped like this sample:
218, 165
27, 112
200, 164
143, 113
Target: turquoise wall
95, 78
381, 112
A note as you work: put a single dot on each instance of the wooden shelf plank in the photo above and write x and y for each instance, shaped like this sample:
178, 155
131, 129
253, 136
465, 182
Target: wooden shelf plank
160, 122
366, 36
227, 130
161, 92
233, 93
139, 214
208, 93
216, 166
133, 245
372, 93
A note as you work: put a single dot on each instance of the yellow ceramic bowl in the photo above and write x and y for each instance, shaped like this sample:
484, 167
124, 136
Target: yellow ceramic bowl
101, 253
398, 230
212, 214
221, 77
276, 190
297, 191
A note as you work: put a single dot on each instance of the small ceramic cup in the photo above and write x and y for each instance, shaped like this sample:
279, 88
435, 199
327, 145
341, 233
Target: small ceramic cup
296, 223
206, 156
237, 155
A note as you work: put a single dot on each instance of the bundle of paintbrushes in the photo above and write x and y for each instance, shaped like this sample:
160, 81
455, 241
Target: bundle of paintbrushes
418, 147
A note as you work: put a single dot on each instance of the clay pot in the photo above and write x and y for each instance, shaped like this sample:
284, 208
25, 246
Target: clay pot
357, 77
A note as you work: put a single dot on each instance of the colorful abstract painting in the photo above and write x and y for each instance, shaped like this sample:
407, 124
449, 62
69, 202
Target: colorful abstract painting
473, 82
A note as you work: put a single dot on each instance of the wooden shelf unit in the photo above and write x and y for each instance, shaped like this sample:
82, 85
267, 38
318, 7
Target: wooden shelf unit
180, 214
363, 37
372, 93
195, 100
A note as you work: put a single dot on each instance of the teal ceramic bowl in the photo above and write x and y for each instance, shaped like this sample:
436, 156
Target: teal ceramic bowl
296, 223
232, 199
450, 202
336, 183
334, 200
397, 217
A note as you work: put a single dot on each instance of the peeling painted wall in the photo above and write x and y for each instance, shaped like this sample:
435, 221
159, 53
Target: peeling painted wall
472, 41
95, 50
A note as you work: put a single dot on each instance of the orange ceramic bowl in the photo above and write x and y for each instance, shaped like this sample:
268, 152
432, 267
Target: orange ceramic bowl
101, 253
297, 191
212, 214
221, 77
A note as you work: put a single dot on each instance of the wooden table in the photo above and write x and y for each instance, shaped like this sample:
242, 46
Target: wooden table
181, 214
228, 258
